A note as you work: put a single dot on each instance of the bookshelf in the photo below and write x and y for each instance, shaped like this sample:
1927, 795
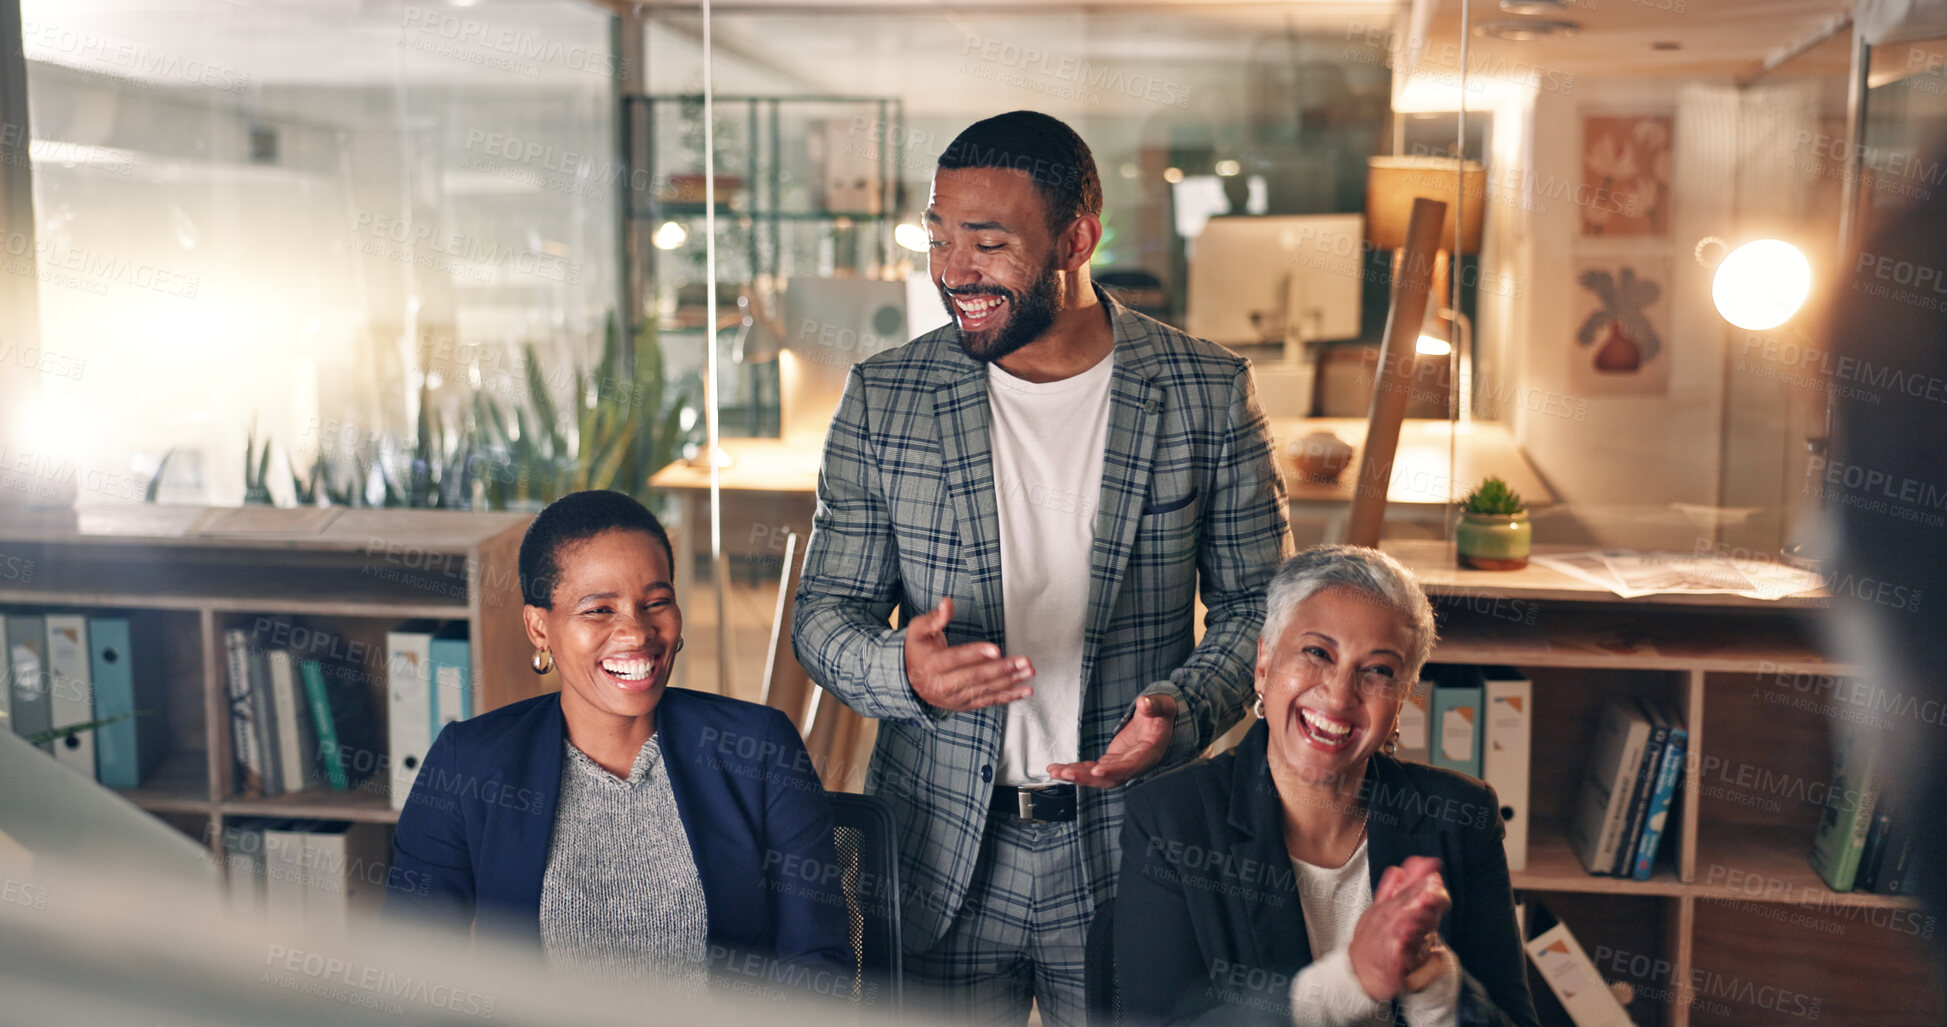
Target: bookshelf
343, 577
1734, 921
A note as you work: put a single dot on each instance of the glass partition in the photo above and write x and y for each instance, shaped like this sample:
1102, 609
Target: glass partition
377, 240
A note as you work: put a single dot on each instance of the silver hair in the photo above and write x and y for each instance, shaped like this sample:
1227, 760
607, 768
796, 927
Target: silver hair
1369, 572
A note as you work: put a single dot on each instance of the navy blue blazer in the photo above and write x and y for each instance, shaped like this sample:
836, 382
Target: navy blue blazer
1208, 925
472, 841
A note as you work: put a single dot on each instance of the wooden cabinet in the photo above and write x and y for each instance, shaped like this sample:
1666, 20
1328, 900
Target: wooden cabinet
330, 582
1734, 927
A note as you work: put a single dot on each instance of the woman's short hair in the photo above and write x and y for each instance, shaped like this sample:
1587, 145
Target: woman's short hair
1369, 572
578, 517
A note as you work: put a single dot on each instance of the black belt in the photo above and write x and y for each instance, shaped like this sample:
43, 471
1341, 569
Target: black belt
1049, 802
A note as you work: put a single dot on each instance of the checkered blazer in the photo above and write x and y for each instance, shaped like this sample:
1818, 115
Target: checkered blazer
906, 516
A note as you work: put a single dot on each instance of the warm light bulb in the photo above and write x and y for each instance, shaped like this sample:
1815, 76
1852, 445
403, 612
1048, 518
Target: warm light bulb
1228, 168
670, 236
1432, 346
1761, 284
911, 236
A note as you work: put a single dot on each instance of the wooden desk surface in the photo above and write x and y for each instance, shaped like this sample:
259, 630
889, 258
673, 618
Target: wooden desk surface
757, 465
1420, 470
1420, 473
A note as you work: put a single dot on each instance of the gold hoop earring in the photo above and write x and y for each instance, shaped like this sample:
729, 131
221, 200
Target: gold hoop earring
1258, 707
543, 661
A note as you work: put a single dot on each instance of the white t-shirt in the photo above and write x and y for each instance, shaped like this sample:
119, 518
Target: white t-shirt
1048, 441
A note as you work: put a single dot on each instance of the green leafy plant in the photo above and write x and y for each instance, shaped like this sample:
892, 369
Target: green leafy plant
256, 470
1492, 496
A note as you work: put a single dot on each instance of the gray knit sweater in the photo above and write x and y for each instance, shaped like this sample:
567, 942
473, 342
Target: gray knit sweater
621, 897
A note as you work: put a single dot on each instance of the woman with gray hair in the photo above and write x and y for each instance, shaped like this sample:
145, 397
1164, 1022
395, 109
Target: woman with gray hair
1307, 876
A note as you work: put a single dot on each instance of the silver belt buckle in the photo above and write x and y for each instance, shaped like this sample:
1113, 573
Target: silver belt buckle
1025, 799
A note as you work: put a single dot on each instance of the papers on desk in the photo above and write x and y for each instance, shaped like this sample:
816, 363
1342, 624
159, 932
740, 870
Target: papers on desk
1630, 573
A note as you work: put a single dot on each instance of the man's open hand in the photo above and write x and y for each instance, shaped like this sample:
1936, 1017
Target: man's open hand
1140, 745
960, 677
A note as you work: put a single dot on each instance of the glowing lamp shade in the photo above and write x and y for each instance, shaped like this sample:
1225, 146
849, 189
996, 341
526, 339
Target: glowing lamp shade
910, 236
670, 235
1432, 346
1761, 284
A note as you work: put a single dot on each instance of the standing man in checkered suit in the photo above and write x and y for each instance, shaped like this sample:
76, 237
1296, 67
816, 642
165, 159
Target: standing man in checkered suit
1040, 489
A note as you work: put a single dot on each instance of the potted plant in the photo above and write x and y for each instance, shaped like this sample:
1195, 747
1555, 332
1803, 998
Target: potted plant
1494, 533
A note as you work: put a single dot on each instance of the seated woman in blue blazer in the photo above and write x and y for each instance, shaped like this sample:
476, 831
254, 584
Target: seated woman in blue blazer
1307, 876
627, 829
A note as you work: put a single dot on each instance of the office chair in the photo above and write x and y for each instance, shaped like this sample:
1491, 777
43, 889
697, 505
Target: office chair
867, 842
1102, 992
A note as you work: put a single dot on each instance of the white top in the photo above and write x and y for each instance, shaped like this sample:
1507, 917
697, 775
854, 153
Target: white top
1328, 993
1048, 441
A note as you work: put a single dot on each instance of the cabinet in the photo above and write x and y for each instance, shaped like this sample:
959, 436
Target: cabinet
1734, 927
806, 186
325, 579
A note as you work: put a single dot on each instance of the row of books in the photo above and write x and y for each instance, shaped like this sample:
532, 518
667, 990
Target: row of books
1477, 720
65, 669
300, 723
1627, 788
308, 874
1864, 838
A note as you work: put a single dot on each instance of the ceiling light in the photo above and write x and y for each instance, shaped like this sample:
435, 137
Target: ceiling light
1227, 168
1761, 284
1532, 6
1172, 175
1522, 30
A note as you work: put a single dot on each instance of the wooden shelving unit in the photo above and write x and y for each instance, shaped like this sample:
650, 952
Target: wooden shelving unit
187, 574
1735, 900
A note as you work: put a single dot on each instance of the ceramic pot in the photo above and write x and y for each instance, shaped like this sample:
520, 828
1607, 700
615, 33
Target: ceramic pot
1320, 456
1619, 353
1494, 542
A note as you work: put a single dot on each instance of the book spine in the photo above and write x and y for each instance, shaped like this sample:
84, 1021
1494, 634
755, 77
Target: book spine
263, 714
1869, 854
1657, 822
243, 713
1639, 800
1620, 777
321, 719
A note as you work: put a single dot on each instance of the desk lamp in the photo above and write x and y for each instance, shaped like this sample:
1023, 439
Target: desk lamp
1392, 184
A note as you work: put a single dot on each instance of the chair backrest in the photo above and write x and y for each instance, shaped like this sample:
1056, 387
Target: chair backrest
1102, 993
867, 841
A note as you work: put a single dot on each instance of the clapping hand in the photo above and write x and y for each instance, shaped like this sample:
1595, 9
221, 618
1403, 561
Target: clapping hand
1396, 942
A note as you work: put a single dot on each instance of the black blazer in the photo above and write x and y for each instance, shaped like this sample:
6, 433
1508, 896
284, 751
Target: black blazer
1208, 924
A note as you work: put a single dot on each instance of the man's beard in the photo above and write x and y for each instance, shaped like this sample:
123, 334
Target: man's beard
1028, 315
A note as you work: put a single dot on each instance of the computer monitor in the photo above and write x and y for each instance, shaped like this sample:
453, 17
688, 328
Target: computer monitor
830, 324
1277, 279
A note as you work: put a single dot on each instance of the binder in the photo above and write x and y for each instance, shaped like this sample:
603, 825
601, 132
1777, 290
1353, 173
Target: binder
1504, 759
70, 687
243, 863
1570, 975
297, 742
345, 867
452, 661
1456, 723
1414, 737
27, 654
284, 874
409, 718
6, 676
127, 751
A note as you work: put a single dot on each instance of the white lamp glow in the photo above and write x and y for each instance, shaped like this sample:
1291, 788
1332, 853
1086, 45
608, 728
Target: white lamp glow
1432, 346
910, 236
670, 235
1761, 284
